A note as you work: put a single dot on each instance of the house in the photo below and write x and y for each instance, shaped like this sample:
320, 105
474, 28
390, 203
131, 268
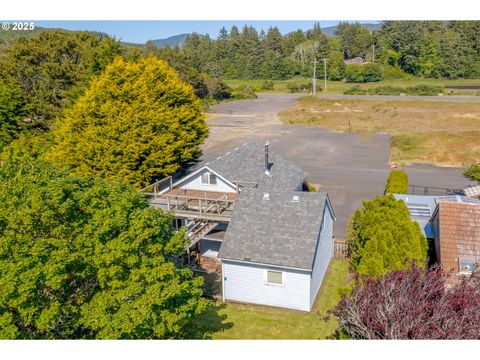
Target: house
354, 61
456, 226
277, 248
451, 223
250, 203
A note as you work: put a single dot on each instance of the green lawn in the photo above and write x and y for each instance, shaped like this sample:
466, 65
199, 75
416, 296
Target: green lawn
241, 321
338, 87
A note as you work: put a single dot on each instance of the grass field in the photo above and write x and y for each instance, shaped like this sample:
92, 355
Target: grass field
242, 321
338, 87
440, 133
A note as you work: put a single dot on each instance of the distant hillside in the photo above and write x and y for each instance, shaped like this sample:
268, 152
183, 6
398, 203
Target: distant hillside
7, 36
179, 39
172, 40
330, 31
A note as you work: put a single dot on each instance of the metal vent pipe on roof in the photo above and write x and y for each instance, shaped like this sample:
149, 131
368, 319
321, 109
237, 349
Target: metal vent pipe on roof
267, 165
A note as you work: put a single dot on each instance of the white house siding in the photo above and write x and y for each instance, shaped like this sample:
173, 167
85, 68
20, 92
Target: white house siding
323, 255
247, 283
195, 183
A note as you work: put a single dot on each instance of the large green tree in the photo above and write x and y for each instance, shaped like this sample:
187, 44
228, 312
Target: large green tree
52, 68
382, 237
84, 258
137, 121
12, 109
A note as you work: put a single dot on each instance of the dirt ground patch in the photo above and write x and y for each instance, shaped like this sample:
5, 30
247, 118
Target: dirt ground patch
441, 133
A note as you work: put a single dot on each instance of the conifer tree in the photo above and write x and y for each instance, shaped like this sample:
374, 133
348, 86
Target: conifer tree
136, 121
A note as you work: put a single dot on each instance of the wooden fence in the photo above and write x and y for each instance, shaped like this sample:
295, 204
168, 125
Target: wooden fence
340, 248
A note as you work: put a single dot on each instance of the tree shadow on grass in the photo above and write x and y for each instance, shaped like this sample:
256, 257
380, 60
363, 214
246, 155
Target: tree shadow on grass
207, 323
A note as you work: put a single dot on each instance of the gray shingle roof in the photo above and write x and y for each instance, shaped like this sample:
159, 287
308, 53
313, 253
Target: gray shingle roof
247, 164
278, 231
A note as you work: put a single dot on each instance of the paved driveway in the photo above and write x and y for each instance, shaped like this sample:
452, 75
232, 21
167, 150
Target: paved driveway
350, 167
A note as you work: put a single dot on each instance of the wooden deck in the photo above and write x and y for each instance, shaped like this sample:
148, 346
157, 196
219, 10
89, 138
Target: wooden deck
213, 195
196, 204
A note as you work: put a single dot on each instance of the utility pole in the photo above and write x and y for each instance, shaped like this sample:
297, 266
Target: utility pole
325, 72
314, 82
373, 46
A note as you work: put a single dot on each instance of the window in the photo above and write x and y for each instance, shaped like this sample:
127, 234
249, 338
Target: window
466, 265
209, 179
274, 277
213, 179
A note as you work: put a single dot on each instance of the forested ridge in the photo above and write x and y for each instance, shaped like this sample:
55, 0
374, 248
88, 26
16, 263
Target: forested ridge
433, 49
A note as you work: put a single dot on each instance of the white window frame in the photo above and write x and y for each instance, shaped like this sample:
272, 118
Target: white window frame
207, 174
210, 175
462, 272
202, 177
275, 284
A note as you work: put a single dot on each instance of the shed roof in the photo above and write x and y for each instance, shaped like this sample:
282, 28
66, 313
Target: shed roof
459, 231
421, 208
280, 230
246, 163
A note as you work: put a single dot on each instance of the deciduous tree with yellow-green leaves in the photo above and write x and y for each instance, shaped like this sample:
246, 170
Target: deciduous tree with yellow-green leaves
88, 258
137, 121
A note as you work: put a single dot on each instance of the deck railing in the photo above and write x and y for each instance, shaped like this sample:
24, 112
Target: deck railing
158, 187
197, 203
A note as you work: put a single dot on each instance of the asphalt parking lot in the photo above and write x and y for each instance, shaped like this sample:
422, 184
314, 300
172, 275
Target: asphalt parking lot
350, 167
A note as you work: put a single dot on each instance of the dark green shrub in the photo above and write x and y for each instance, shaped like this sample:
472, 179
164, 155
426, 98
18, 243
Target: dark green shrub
267, 85
472, 172
355, 90
363, 73
387, 90
397, 182
425, 90
244, 92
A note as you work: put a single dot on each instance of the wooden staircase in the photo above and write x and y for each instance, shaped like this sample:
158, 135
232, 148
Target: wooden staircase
199, 229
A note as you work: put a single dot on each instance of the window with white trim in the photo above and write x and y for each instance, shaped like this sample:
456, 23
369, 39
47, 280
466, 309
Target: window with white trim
274, 277
209, 179
467, 266
213, 179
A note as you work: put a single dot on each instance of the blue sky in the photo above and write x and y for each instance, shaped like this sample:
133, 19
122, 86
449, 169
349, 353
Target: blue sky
141, 31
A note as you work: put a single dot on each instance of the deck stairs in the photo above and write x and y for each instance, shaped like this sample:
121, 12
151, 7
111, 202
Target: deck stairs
198, 229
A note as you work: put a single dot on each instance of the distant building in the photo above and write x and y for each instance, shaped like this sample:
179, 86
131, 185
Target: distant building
355, 61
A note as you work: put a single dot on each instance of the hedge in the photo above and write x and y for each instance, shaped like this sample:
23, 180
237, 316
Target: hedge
397, 182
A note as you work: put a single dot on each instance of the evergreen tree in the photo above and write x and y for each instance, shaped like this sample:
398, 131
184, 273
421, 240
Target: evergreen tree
52, 68
250, 56
382, 238
273, 41
137, 121
12, 110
